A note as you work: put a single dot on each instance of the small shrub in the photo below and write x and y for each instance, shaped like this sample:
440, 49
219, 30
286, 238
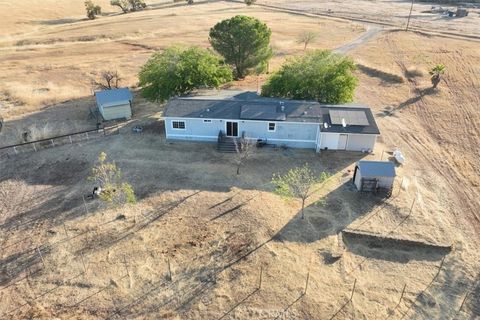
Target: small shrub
93, 10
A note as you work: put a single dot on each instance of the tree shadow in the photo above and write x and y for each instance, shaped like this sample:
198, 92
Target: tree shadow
342, 206
385, 77
419, 94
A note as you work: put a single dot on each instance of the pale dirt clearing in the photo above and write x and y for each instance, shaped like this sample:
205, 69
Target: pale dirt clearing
59, 62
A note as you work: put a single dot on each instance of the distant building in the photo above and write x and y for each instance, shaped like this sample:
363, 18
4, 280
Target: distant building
282, 122
114, 104
373, 175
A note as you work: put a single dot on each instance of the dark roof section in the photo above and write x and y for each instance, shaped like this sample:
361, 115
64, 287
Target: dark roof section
108, 98
376, 168
249, 105
253, 111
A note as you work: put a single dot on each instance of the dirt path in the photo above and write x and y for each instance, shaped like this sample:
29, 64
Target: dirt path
370, 32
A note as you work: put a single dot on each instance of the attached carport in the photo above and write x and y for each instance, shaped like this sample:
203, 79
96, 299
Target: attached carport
114, 104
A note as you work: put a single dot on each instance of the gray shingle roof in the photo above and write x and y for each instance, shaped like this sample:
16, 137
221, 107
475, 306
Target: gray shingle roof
376, 168
249, 105
108, 98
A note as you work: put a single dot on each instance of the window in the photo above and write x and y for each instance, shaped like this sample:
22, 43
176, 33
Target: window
207, 121
178, 125
271, 126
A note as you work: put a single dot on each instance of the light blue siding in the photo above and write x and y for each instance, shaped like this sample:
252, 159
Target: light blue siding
290, 134
296, 135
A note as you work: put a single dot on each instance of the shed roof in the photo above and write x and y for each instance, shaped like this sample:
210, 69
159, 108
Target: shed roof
376, 168
110, 98
251, 106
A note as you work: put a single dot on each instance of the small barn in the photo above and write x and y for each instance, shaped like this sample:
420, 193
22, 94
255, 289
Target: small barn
114, 104
371, 176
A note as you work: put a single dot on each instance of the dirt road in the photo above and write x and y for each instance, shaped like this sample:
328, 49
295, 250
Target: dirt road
370, 32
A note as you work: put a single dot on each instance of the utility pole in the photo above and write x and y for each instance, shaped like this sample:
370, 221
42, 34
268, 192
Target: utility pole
409, 16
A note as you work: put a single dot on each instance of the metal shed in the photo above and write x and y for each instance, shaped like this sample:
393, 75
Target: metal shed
373, 175
114, 104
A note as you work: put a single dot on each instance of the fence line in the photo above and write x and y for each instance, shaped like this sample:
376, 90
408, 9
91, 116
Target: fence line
35, 145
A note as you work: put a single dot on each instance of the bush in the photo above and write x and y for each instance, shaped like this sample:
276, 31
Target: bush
177, 71
244, 42
92, 9
129, 5
320, 75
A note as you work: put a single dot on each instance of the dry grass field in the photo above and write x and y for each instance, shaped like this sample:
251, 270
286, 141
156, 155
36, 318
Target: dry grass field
63, 258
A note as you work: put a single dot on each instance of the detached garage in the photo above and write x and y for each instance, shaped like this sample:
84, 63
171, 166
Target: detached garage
114, 104
370, 176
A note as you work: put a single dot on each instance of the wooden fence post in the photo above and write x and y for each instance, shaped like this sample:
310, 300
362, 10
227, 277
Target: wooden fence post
53, 143
353, 289
15, 149
85, 204
41, 257
306, 283
70, 137
34, 148
169, 276
260, 279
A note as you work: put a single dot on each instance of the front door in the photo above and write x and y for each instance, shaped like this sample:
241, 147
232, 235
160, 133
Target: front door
342, 141
232, 129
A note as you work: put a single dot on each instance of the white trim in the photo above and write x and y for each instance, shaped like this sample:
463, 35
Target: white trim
243, 120
184, 124
215, 137
274, 126
291, 140
190, 136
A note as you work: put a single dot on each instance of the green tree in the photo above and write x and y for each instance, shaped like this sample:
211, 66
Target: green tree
129, 5
92, 9
319, 75
243, 41
109, 177
136, 5
250, 2
298, 183
436, 74
177, 71
122, 4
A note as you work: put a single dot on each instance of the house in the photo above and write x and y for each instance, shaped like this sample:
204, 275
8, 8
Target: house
374, 175
281, 122
114, 104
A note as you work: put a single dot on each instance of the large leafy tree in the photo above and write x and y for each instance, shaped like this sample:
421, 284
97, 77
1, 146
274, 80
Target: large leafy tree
243, 41
177, 71
320, 75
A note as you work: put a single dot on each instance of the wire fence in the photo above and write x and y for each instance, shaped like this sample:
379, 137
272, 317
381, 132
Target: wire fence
165, 290
76, 137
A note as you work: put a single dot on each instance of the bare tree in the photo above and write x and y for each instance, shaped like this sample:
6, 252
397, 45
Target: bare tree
306, 38
298, 183
108, 80
244, 150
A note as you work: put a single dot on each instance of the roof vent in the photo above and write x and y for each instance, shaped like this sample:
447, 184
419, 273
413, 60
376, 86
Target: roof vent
282, 106
325, 125
208, 109
344, 123
304, 113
